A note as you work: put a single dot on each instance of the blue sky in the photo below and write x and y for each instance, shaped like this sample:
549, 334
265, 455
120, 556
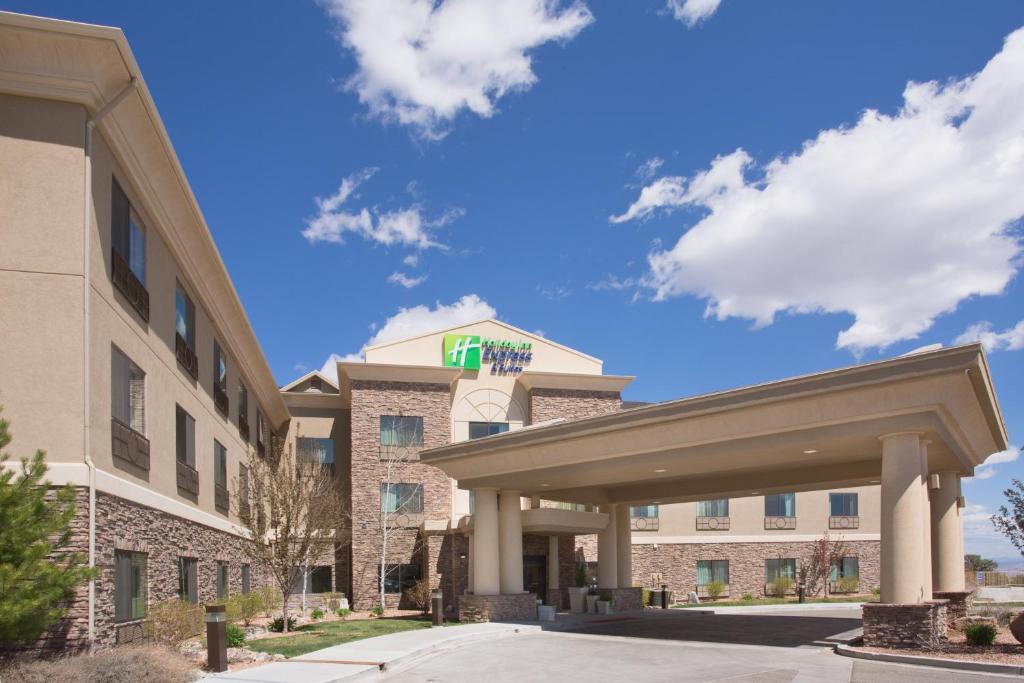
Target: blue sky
703, 194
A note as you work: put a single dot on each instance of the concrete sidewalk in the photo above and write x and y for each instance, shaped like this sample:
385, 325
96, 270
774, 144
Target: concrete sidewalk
339, 662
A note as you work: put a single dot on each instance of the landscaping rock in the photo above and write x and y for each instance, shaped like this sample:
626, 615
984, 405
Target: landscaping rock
244, 654
1017, 627
251, 631
193, 649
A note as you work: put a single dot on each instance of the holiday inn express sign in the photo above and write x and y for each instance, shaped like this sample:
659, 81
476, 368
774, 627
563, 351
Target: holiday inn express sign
468, 351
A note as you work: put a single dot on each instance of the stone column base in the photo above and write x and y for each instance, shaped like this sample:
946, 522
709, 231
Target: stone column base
509, 607
623, 599
920, 625
958, 604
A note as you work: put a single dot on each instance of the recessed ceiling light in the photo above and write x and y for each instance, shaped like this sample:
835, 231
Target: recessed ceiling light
810, 451
656, 502
659, 471
755, 493
874, 481
545, 485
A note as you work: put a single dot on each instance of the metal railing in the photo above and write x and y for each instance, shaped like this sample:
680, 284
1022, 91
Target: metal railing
712, 524
125, 282
643, 523
773, 523
998, 579
844, 522
186, 356
188, 478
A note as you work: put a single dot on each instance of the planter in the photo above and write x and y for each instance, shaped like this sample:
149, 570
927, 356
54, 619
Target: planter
604, 607
545, 613
592, 603
576, 598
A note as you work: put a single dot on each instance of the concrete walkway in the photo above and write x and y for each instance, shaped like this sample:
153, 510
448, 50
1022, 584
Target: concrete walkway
365, 659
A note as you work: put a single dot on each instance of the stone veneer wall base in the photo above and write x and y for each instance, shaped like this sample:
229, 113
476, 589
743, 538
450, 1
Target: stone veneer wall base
509, 607
921, 625
623, 599
958, 604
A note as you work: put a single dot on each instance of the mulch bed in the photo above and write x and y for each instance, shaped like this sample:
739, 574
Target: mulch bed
1006, 650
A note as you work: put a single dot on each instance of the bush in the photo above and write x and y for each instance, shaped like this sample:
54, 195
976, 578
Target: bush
277, 625
419, 595
343, 612
236, 636
333, 600
848, 584
714, 589
268, 599
122, 664
645, 596
749, 597
174, 621
377, 611
980, 634
581, 575
317, 613
780, 586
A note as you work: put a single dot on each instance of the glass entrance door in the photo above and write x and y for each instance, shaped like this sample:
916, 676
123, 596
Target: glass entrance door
535, 575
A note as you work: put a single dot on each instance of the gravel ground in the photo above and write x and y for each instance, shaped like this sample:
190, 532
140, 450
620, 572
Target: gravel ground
1006, 650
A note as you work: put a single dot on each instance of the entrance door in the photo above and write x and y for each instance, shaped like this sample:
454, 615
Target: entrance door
535, 575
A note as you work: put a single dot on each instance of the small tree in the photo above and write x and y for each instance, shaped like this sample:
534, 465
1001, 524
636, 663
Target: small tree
1010, 521
825, 554
38, 574
292, 511
977, 563
419, 595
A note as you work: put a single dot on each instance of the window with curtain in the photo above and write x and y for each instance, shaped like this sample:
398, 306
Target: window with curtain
188, 587
127, 233
243, 403
220, 464
712, 570
130, 579
842, 504
401, 430
127, 392
713, 508
246, 579
399, 577
185, 436
774, 568
780, 505
646, 511
185, 317
401, 498
220, 367
844, 568
222, 580
315, 451
478, 430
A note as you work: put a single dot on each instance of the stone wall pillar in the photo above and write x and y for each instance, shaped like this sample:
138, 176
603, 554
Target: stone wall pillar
926, 545
903, 521
553, 563
510, 527
486, 574
947, 534
623, 546
607, 551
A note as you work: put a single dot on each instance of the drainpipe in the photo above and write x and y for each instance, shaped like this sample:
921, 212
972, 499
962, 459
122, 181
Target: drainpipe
87, 211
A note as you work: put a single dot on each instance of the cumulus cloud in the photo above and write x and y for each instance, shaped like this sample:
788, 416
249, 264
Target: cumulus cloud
692, 12
987, 469
405, 227
421, 62
895, 220
407, 281
417, 320
981, 536
412, 260
1007, 340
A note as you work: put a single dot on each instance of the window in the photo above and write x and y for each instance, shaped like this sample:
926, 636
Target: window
222, 580
646, 511
780, 505
246, 579
127, 235
320, 579
773, 569
243, 412
315, 451
185, 318
712, 570
401, 430
574, 507
127, 392
188, 588
399, 577
481, 429
220, 464
842, 504
129, 585
261, 435
186, 437
713, 508
220, 379
844, 568
401, 498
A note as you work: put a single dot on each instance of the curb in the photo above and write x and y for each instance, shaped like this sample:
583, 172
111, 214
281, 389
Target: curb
955, 664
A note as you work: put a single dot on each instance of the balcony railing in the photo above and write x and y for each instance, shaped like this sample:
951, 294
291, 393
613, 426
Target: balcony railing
844, 522
220, 399
128, 445
186, 356
188, 478
243, 427
778, 523
221, 498
643, 523
712, 524
125, 281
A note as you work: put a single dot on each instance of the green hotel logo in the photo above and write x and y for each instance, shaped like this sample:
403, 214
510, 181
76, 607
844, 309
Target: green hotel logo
462, 351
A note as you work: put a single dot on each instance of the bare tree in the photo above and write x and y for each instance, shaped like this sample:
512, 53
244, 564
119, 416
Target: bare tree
401, 441
293, 511
825, 553
1010, 521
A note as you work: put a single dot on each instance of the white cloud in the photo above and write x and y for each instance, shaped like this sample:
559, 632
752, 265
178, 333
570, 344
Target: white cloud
554, 292
614, 283
412, 260
649, 168
987, 469
692, 12
417, 320
895, 220
1007, 340
422, 62
406, 281
405, 227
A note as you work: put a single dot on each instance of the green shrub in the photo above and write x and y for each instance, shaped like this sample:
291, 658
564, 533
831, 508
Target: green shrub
714, 589
333, 600
268, 599
277, 625
174, 621
645, 598
848, 584
317, 613
236, 636
581, 575
876, 591
121, 664
980, 634
377, 611
749, 597
343, 612
781, 586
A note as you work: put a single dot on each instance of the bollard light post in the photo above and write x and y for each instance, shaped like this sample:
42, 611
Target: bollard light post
437, 608
664, 596
216, 638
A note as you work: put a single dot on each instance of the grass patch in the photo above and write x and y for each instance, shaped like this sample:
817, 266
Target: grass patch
317, 636
775, 601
